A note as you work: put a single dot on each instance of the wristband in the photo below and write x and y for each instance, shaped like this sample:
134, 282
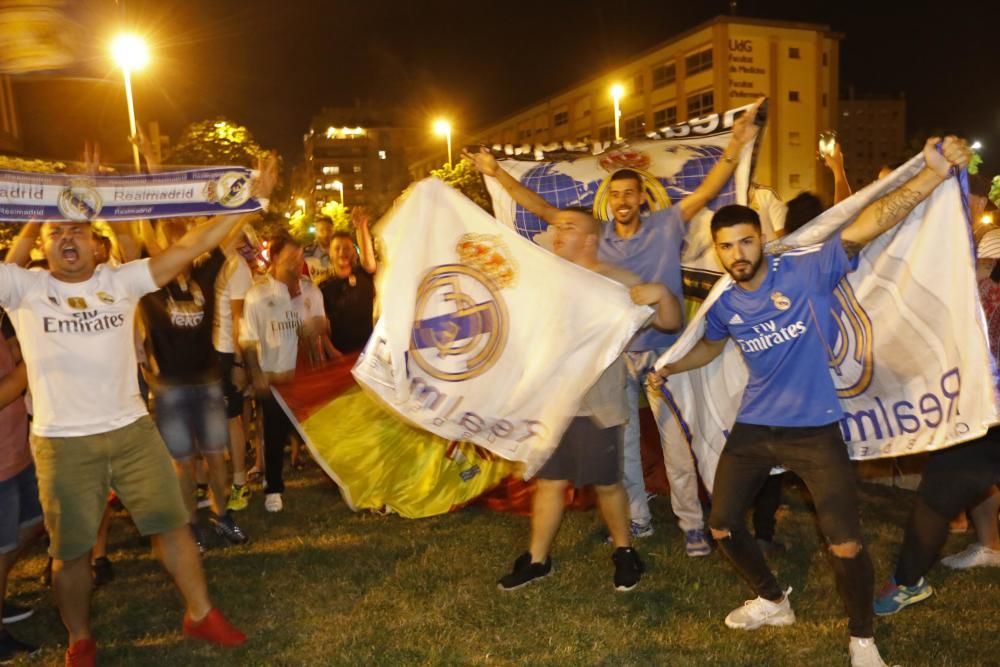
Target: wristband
728, 160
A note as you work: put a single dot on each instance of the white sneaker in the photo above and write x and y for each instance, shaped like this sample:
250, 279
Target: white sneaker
272, 502
864, 653
974, 555
757, 612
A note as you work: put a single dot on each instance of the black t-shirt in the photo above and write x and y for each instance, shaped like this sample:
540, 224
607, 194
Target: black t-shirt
178, 321
349, 309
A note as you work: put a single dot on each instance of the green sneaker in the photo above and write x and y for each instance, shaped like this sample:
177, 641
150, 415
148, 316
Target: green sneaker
239, 497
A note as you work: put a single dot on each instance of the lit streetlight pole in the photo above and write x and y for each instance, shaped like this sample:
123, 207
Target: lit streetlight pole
339, 186
130, 53
616, 95
442, 128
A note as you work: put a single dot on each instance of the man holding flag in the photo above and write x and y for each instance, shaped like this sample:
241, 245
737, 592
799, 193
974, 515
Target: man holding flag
777, 311
649, 247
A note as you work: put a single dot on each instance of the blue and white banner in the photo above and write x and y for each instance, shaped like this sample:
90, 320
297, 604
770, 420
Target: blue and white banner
485, 337
672, 162
81, 198
910, 359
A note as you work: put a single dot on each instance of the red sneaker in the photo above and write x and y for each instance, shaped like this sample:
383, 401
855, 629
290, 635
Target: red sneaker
82, 653
214, 628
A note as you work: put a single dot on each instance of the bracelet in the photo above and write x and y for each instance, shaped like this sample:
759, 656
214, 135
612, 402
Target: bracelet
728, 160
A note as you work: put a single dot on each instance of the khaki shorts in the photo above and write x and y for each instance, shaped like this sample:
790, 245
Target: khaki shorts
75, 473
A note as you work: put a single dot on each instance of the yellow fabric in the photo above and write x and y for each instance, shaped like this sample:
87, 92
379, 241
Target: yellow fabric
382, 463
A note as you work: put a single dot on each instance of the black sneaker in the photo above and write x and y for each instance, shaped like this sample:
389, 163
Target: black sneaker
10, 647
103, 573
12, 613
227, 528
524, 572
628, 568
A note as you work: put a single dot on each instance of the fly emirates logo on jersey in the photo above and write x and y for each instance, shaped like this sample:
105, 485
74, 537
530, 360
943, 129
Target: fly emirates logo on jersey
769, 334
84, 322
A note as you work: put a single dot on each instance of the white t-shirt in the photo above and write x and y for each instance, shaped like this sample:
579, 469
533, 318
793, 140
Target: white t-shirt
233, 283
770, 208
77, 342
271, 321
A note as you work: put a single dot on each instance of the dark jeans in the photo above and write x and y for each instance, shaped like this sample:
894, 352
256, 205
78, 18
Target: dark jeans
277, 428
765, 506
819, 456
955, 478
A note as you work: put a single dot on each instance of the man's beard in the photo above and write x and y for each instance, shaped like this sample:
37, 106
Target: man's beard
746, 270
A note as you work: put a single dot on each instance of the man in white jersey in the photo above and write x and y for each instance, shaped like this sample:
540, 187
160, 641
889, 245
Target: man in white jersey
777, 310
278, 310
91, 430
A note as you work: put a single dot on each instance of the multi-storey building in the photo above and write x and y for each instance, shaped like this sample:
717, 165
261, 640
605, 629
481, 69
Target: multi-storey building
357, 156
724, 63
872, 134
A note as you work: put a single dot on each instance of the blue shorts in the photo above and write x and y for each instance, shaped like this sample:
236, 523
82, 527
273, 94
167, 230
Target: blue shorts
19, 507
192, 418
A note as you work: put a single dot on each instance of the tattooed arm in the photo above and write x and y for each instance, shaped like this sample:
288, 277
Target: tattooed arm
888, 211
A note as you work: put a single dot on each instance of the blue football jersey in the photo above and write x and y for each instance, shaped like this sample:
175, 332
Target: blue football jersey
783, 329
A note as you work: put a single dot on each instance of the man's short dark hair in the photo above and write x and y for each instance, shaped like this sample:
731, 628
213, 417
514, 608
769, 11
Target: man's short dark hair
802, 208
626, 174
341, 234
278, 243
732, 215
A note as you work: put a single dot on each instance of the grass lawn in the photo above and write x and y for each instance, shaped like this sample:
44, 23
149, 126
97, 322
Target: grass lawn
320, 585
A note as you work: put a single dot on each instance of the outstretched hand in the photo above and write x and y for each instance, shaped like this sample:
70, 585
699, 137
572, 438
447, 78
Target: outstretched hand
91, 158
954, 153
483, 161
146, 149
744, 128
267, 175
360, 218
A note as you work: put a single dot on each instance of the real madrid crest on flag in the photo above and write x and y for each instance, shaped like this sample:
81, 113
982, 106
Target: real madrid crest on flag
461, 319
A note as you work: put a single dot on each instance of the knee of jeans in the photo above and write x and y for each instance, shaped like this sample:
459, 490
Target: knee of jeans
849, 549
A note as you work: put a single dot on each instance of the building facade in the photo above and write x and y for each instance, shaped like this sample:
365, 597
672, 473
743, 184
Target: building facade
872, 134
721, 64
356, 156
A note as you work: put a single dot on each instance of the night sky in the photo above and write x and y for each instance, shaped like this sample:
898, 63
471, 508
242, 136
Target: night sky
272, 64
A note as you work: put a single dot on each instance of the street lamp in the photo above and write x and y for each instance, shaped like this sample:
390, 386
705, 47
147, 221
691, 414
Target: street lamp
130, 53
616, 95
339, 186
301, 203
442, 128
976, 145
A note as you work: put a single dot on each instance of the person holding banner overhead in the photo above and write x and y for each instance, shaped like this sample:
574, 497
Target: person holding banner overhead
649, 247
776, 311
589, 453
91, 430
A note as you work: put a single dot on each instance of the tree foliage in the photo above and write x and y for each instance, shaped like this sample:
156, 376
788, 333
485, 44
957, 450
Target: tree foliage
464, 178
218, 141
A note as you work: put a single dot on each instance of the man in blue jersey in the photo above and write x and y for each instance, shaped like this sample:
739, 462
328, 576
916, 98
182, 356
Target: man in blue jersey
649, 247
775, 311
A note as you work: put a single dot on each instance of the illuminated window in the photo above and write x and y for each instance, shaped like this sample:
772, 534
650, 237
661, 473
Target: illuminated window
356, 168
634, 126
664, 74
331, 169
664, 117
359, 186
698, 62
700, 104
381, 155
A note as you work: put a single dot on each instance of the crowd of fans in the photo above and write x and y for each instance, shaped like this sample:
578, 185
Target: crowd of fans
216, 331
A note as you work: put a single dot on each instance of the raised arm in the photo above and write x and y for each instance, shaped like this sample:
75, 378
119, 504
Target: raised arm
486, 164
703, 352
835, 163
166, 265
20, 250
887, 212
361, 222
744, 131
